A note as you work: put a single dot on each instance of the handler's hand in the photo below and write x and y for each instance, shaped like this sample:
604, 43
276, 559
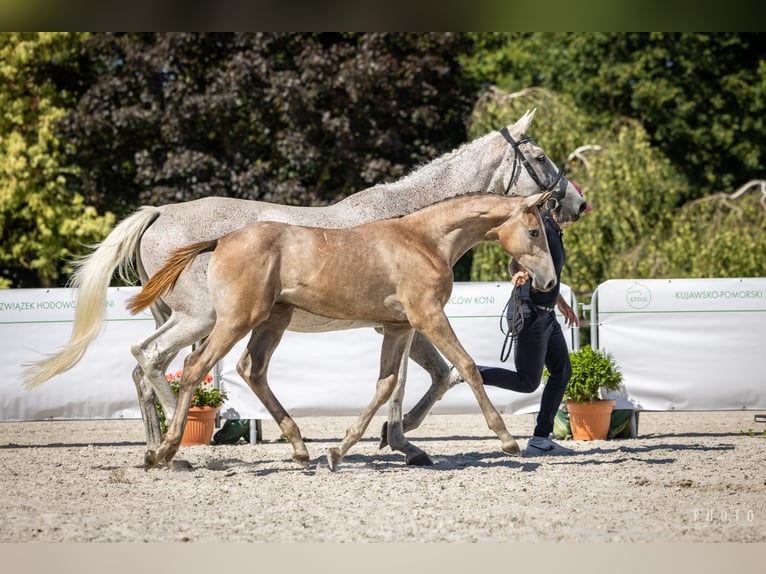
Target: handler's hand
519, 278
570, 317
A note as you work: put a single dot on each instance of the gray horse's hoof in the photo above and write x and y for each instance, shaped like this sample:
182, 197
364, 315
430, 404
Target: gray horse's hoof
150, 460
383, 436
511, 448
333, 458
421, 459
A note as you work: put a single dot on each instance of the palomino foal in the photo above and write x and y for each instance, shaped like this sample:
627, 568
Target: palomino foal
397, 272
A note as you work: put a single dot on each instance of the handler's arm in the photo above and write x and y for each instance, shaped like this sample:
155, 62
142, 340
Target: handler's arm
570, 317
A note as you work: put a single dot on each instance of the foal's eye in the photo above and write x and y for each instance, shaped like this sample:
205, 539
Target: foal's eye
534, 232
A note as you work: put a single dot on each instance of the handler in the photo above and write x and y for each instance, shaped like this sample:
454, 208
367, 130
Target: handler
540, 343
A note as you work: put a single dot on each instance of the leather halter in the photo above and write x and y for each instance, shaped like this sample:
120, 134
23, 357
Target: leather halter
556, 180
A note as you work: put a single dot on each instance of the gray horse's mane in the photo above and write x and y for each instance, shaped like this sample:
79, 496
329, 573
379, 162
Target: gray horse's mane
450, 155
444, 158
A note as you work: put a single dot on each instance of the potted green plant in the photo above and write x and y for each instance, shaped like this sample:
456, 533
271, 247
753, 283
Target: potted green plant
593, 372
200, 422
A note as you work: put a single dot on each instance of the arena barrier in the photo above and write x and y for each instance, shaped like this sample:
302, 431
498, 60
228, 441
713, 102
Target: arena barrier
312, 374
685, 344
682, 344
37, 322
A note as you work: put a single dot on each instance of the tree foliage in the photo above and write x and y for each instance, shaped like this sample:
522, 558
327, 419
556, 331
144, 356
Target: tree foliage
659, 129
721, 235
42, 221
700, 97
636, 228
289, 118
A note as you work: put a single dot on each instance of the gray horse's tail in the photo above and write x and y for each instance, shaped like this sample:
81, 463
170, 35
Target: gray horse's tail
91, 279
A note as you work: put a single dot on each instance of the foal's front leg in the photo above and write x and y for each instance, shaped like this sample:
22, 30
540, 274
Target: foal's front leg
435, 325
395, 339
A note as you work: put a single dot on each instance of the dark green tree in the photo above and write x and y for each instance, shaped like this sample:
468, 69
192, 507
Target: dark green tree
662, 129
289, 118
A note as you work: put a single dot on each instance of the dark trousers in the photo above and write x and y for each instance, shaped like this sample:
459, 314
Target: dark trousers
540, 344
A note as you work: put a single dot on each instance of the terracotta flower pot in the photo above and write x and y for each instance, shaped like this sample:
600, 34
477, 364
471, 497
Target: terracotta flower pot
200, 424
590, 421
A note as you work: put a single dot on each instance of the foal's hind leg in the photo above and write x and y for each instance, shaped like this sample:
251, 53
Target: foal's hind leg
253, 367
154, 354
198, 364
395, 339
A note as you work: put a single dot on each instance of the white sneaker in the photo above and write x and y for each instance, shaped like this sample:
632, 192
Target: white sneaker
538, 446
454, 377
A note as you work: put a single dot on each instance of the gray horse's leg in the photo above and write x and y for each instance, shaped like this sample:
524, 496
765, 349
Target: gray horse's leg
395, 340
154, 354
149, 414
150, 353
395, 433
253, 367
147, 398
428, 357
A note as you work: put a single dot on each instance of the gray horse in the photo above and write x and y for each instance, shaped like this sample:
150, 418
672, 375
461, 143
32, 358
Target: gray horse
504, 162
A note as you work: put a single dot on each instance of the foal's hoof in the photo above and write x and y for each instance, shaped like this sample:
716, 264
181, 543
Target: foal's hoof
511, 448
150, 460
421, 459
383, 436
333, 458
302, 460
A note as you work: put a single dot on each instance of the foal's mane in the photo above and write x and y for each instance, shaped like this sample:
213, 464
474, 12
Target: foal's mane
442, 200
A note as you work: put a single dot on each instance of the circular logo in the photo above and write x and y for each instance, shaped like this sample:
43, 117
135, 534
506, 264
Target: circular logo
638, 296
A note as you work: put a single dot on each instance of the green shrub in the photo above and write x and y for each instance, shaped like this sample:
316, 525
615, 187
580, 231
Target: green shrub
591, 372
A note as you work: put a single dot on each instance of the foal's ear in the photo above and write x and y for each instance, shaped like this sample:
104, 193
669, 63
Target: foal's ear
536, 201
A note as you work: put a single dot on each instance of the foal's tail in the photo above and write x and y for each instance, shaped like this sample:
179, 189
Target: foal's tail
165, 279
91, 279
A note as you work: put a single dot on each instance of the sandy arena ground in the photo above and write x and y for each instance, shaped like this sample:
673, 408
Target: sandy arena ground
688, 477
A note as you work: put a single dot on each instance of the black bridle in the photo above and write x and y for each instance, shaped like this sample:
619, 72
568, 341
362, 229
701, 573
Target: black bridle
556, 182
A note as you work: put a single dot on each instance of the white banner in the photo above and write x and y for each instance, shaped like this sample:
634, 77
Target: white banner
685, 344
37, 322
312, 374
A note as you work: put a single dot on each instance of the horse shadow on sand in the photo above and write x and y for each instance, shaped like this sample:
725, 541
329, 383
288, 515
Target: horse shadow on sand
392, 461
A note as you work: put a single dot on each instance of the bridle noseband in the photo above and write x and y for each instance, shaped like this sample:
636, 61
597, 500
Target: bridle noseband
555, 182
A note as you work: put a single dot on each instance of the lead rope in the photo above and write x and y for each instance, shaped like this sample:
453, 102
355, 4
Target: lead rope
515, 324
